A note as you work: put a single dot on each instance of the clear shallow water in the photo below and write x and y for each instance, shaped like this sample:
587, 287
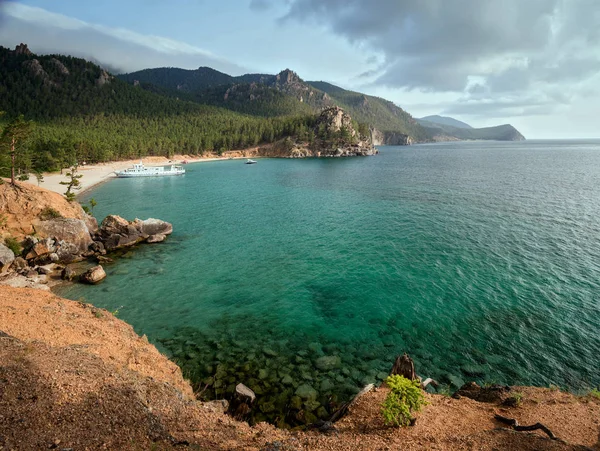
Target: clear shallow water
481, 260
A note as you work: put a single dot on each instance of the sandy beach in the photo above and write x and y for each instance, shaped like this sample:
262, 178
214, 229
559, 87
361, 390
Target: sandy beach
94, 174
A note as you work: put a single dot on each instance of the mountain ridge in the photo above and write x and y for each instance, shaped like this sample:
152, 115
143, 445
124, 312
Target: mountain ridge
286, 93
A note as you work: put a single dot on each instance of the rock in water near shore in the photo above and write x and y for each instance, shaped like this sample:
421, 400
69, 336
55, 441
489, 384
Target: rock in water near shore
117, 233
93, 275
6, 257
334, 135
153, 226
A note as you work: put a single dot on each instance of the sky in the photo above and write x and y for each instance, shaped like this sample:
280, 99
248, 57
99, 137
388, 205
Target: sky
532, 63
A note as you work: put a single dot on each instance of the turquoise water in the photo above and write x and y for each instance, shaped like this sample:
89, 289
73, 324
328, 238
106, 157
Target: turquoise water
481, 260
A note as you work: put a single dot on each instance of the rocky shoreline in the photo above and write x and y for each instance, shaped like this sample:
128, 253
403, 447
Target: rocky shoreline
48, 240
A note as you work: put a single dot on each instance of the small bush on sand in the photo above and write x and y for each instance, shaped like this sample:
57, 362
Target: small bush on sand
405, 397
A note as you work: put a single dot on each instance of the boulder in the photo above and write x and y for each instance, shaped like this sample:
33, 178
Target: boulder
153, 226
117, 233
43, 247
7, 257
72, 236
68, 274
93, 275
91, 223
158, 238
306, 392
68, 252
327, 363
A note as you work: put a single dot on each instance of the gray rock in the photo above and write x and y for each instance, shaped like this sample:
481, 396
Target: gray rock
7, 257
93, 275
327, 362
68, 252
91, 223
72, 237
152, 226
158, 238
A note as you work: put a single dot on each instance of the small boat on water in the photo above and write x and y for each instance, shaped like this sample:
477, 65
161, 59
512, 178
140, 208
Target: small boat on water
139, 170
249, 161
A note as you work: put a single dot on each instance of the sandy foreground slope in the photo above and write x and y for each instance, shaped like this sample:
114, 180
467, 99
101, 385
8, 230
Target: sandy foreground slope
75, 377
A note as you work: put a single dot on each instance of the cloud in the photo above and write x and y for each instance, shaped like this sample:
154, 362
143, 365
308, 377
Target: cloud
516, 49
118, 48
260, 5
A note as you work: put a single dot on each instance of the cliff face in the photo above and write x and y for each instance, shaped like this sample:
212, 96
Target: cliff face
390, 138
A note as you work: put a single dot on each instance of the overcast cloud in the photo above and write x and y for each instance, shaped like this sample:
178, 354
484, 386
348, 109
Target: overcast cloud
118, 49
496, 53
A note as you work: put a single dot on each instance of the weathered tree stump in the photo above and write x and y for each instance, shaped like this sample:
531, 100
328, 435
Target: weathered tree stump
240, 405
404, 366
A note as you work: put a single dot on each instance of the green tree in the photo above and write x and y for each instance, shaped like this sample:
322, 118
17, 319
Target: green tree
73, 183
12, 140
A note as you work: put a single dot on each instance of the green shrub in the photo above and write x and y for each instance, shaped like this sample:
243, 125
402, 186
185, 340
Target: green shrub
595, 393
14, 245
49, 213
405, 397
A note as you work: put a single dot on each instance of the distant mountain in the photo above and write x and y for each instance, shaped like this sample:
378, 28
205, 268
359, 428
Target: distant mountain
444, 120
280, 95
83, 113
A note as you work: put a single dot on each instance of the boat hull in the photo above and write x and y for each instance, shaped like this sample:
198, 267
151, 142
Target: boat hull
131, 176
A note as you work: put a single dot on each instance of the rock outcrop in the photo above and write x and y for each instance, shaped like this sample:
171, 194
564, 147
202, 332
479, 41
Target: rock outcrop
22, 49
335, 137
53, 232
6, 257
118, 233
387, 138
72, 237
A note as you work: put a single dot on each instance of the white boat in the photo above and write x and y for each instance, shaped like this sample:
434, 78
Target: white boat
249, 161
139, 170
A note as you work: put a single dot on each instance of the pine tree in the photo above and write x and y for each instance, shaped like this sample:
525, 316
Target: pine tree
12, 140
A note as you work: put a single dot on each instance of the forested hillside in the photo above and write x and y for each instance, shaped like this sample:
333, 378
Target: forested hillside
83, 113
278, 95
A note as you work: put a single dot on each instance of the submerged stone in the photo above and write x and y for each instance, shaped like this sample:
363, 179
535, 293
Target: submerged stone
327, 363
305, 391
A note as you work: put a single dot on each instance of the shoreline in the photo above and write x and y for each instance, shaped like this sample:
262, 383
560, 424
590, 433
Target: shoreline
96, 174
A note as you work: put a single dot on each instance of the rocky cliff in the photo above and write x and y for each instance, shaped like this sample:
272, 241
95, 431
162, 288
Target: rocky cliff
335, 136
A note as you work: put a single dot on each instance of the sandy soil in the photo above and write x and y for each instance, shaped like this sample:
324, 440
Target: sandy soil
94, 174
73, 376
